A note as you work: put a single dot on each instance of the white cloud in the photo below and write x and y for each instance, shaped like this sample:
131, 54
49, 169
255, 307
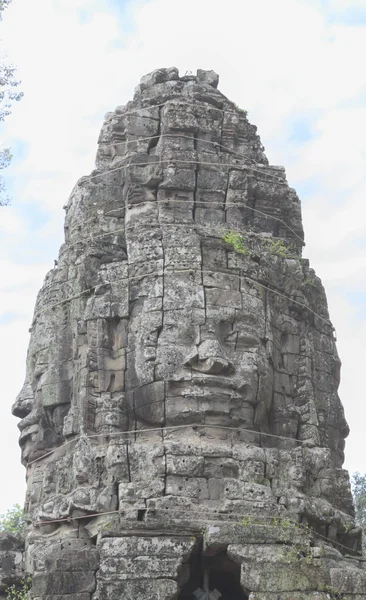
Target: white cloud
345, 5
12, 360
10, 223
282, 61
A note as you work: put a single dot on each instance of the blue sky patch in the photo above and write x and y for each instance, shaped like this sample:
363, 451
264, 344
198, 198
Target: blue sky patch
19, 150
36, 217
307, 188
350, 17
355, 17
121, 8
84, 16
358, 301
8, 317
301, 130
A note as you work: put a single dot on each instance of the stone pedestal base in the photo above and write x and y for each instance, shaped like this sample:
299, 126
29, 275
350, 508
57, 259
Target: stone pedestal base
240, 561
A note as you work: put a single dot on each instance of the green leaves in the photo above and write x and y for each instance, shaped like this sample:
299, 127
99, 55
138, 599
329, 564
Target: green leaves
13, 520
20, 591
271, 245
359, 497
8, 94
279, 248
236, 240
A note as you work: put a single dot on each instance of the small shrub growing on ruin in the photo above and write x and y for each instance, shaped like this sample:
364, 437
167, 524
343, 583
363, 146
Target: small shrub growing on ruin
241, 110
285, 523
19, 591
237, 241
332, 592
298, 552
309, 282
273, 246
279, 248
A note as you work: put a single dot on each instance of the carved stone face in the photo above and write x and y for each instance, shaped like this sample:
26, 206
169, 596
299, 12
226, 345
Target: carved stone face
46, 395
202, 358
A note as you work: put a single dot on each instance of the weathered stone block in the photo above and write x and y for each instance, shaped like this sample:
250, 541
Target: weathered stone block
11, 568
141, 489
185, 465
290, 596
348, 581
248, 531
191, 487
74, 582
209, 77
73, 560
146, 461
158, 589
83, 596
280, 578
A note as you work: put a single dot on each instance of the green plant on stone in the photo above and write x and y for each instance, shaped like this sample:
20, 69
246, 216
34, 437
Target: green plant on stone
295, 553
19, 591
333, 593
279, 248
241, 110
299, 552
286, 523
359, 497
237, 241
247, 521
309, 282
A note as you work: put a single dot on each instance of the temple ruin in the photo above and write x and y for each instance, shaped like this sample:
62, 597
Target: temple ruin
180, 423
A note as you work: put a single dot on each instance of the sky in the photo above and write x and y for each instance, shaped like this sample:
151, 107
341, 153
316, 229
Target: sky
295, 65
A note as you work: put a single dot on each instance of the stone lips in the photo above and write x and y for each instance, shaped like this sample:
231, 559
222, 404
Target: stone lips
151, 322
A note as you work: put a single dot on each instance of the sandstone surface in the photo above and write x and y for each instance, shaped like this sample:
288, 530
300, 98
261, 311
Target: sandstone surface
180, 420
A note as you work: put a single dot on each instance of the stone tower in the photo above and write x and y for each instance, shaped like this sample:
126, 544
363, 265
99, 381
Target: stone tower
180, 422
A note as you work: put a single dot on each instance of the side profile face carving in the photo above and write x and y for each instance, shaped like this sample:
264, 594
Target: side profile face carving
45, 398
152, 321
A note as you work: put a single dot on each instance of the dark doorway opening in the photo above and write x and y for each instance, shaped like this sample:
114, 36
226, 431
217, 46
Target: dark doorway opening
210, 573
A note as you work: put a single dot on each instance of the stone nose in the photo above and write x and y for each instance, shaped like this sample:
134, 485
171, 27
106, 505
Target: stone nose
210, 357
24, 403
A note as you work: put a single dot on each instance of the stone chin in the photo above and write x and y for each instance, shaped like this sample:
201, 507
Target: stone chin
35, 440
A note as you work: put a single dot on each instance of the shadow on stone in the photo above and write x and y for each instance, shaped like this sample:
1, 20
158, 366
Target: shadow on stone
213, 574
